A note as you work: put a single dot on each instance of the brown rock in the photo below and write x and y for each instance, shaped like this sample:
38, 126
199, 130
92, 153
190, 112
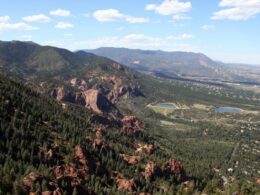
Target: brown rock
131, 125
30, 179
130, 159
147, 148
125, 184
58, 93
96, 101
173, 167
151, 170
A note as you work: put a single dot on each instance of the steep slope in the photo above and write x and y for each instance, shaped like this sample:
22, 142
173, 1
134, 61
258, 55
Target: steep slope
50, 149
94, 82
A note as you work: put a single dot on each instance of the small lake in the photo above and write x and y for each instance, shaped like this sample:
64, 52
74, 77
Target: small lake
166, 105
227, 110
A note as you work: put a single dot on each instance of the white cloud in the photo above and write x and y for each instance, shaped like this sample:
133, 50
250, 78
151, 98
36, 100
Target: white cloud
16, 26
174, 8
131, 19
64, 25
181, 17
60, 12
181, 37
208, 27
4, 18
110, 15
37, 18
135, 41
237, 10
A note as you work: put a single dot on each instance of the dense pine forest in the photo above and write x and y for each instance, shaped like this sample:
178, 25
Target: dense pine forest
76, 123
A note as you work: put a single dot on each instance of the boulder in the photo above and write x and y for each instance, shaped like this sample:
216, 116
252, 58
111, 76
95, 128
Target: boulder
125, 184
30, 179
173, 167
147, 148
131, 125
151, 171
130, 159
58, 93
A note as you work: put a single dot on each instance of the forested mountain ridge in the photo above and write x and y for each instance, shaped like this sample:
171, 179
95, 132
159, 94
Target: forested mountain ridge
48, 148
178, 64
103, 133
88, 80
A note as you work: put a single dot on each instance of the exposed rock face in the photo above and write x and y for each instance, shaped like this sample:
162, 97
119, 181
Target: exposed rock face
125, 184
98, 143
151, 170
131, 159
131, 125
92, 99
58, 93
96, 101
80, 155
30, 179
173, 167
73, 176
147, 148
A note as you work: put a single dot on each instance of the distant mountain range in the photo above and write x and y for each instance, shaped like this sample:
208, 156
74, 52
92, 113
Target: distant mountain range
180, 64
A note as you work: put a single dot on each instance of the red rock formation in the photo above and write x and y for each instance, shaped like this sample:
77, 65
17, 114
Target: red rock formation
173, 167
125, 184
131, 125
58, 93
30, 179
147, 148
130, 159
151, 170
101, 145
96, 101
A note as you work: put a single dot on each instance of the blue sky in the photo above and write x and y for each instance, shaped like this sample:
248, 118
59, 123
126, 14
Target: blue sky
225, 30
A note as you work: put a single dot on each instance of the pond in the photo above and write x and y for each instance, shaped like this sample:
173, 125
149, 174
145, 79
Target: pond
227, 110
166, 105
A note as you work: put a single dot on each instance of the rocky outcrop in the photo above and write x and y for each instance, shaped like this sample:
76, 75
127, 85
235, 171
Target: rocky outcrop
80, 156
30, 179
98, 143
146, 148
173, 167
73, 176
151, 171
58, 93
130, 159
92, 99
96, 101
126, 184
131, 125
